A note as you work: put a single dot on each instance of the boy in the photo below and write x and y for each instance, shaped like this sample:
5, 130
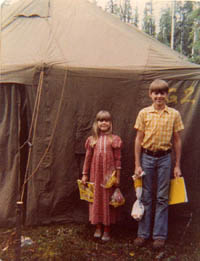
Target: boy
156, 126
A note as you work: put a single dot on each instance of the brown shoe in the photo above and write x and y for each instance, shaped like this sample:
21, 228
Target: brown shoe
158, 243
140, 241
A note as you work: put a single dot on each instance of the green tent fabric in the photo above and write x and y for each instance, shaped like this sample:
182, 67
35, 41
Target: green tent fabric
61, 62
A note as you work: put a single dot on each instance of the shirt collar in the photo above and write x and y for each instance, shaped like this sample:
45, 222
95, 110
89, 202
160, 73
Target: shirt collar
152, 109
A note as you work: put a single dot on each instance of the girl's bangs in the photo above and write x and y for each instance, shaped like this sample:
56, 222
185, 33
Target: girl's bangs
104, 116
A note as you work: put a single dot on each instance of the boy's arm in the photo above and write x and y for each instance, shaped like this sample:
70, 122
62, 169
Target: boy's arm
138, 148
177, 148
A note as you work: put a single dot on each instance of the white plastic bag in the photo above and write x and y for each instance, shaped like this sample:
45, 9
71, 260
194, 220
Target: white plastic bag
138, 208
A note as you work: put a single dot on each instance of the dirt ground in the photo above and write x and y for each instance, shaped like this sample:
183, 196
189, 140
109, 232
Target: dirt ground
74, 241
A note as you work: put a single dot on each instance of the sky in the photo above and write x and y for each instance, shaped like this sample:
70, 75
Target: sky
1, 1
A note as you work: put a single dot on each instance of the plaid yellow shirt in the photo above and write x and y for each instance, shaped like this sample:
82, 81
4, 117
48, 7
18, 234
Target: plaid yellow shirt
158, 127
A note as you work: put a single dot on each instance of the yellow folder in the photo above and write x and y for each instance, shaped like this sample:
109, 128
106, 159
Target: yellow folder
86, 191
177, 192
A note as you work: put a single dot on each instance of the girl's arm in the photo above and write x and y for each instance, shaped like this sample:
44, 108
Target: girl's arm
84, 178
117, 158
87, 162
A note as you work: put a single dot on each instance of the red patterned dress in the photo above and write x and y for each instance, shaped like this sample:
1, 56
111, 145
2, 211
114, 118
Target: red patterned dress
100, 161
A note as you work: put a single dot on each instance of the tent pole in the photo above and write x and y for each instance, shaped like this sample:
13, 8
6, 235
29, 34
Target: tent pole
18, 231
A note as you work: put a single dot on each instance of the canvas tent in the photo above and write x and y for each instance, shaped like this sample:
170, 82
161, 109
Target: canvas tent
61, 62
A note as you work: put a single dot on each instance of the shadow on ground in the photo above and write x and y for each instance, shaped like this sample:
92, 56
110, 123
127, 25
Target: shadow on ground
74, 241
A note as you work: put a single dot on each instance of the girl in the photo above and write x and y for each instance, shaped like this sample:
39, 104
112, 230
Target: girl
103, 156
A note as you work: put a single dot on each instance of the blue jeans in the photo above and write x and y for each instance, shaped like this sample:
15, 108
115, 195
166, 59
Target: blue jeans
162, 167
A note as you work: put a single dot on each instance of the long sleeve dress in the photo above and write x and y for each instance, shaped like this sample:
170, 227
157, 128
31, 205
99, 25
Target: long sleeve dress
100, 161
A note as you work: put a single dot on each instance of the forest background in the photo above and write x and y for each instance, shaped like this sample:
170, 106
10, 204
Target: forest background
176, 23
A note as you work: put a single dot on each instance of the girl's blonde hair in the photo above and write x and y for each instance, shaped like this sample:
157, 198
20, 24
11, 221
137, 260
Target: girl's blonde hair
101, 115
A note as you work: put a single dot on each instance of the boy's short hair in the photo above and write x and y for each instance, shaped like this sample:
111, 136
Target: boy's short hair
159, 85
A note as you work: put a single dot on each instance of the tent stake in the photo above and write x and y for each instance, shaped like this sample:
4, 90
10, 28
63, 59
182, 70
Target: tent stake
18, 230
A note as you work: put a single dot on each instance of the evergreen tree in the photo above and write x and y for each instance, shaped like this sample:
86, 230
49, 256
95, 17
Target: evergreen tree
187, 24
164, 34
126, 11
148, 22
184, 28
136, 16
195, 56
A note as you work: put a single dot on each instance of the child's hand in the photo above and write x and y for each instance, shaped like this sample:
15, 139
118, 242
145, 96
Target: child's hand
138, 172
84, 179
177, 172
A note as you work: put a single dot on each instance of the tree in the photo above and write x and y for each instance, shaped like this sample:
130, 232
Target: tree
126, 11
149, 22
135, 16
195, 55
112, 7
164, 34
123, 10
187, 24
184, 28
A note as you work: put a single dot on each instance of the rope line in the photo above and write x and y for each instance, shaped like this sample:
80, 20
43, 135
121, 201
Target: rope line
38, 94
50, 141
33, 123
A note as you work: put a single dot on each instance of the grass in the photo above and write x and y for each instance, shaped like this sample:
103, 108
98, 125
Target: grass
74, 241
